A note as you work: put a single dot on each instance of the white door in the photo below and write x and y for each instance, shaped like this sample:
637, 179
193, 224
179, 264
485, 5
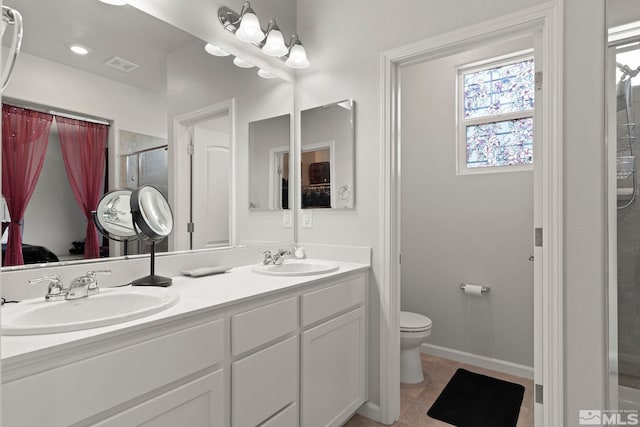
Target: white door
211, 163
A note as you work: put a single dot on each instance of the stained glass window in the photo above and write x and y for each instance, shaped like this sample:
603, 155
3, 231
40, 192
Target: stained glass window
496, 123
505, 143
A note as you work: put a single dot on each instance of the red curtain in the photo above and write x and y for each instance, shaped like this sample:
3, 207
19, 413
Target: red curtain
25, 134
84, 153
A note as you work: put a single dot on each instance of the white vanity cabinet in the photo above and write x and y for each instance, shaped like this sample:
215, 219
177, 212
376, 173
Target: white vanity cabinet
264, 376
174, 374
291, 357
333, 353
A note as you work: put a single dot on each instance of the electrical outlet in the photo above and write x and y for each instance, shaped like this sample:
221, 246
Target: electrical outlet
286, 219
307, 219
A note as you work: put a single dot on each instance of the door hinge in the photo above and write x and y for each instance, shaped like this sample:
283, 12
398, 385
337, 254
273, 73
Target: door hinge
538, 80
190, 149
538, 393
538, 237
399, 258
190, 227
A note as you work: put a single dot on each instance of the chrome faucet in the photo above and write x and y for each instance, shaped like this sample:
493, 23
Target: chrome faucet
267, 258
55, 289
280, 256
84, 286
80, 287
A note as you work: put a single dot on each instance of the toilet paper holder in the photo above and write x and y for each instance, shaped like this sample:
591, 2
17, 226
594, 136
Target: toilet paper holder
483, 289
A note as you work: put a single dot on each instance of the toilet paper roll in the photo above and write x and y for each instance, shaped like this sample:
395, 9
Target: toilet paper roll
472, 289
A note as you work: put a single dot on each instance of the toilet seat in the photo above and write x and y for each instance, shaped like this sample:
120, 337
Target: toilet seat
414, 322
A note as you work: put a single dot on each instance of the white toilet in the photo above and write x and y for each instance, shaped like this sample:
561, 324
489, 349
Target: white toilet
414, 330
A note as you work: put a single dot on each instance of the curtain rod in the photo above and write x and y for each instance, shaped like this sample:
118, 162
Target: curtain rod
47, 110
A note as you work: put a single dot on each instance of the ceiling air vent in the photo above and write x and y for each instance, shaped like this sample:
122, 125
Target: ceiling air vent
121, 64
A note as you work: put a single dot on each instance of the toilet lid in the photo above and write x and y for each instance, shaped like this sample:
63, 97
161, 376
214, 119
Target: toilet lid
414, 321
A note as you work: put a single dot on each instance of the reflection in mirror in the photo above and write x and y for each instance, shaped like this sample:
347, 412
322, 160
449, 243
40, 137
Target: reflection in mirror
113, 216
327, 156
140, 71
623, 135
269, 142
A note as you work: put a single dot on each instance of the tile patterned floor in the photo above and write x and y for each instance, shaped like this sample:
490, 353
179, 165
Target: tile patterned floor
416, 399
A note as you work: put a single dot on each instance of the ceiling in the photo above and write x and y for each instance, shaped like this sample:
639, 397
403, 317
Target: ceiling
109, 31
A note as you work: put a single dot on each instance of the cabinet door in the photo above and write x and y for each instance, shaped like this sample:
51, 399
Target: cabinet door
333, 370
199, 403
264, 383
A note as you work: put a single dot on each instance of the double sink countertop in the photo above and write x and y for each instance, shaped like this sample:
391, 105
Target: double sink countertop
198, 295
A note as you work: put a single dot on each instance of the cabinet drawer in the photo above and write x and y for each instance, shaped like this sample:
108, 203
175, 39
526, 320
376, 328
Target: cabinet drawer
110, 379
261, 325
264, 383
324, 303
287, 418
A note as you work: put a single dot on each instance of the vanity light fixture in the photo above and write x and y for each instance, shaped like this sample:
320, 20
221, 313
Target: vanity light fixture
242, 63
246, 27
212, 49
265, 74
79, 49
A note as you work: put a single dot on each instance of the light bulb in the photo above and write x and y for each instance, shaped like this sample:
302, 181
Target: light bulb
297, 57
212, 49
250, 31
79, 49
265, 74
274, 45
242, 63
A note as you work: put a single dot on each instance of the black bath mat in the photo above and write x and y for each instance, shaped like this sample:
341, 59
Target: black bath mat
475, 400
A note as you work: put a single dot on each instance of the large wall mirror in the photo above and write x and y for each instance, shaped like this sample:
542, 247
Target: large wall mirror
327, 156
141, 74
623, 137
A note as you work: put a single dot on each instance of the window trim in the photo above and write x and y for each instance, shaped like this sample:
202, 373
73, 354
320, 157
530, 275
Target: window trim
462, 123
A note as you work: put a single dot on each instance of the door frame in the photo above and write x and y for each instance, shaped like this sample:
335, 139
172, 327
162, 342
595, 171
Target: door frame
546, 22
180, 193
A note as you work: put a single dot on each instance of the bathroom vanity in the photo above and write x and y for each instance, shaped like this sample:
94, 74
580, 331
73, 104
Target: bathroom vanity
238, 349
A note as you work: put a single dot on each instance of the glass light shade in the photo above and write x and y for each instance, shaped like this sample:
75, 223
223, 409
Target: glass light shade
212, 49
297, 57
115, 2
242, 63
274, 45
265, 74
250, 31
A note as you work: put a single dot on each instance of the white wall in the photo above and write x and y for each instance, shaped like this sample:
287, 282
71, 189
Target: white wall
345, 63
462, 228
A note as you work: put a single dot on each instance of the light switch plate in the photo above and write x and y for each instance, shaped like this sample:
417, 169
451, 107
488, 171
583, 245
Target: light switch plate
307, 219
286, 219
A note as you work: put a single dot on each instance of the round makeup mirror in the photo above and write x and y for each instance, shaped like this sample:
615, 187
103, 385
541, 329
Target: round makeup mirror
113, 216
143, 213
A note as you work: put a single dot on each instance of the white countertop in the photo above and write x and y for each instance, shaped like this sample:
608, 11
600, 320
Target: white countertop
203, 294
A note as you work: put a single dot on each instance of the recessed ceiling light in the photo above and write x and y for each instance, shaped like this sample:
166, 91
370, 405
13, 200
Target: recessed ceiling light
115, 2
79, 49
212, 49
242, 63
265, 74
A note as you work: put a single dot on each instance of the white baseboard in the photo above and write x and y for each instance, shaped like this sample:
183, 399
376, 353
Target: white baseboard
370, 410
480, 361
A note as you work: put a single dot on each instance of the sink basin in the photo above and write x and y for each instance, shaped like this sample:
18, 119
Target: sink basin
296, 268
109, 307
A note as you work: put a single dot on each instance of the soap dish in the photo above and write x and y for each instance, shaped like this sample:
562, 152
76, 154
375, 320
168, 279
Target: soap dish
206, 271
